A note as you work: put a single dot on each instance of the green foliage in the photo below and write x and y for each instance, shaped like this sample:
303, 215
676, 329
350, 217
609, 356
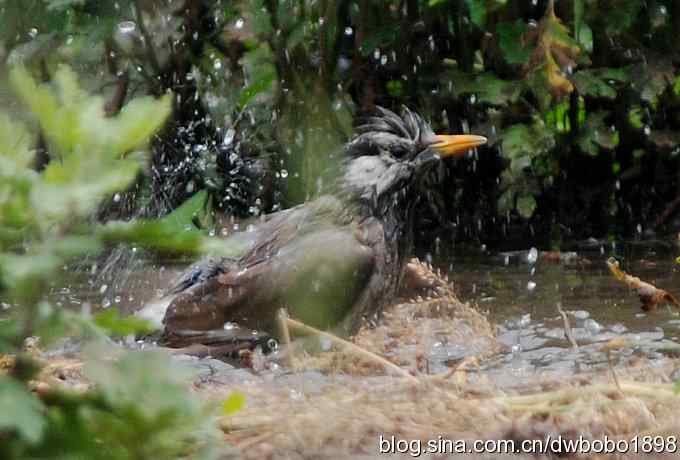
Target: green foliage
510, 40
22, 412
156, 427
92, 149
139, 408
111, 322
524, 146
596, 135
480, 8
486, 88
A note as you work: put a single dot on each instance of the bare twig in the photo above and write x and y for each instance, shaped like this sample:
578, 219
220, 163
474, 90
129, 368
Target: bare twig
567, 327
285, 336
305, 329
611, 369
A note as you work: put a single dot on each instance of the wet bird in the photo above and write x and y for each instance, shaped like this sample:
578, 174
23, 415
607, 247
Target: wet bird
332, 262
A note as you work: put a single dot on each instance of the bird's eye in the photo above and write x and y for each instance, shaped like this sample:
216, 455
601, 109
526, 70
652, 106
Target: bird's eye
272, 344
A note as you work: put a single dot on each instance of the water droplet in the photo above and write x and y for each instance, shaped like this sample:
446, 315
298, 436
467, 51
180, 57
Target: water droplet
581, 314
619, 328
32, 32
116, 198
531, 285
284, 173
592, 326
239, 23
103, 288
348, 31
532, 256
127, 27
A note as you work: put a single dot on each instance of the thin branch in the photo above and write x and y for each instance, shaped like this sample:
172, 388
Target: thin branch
285, 336
567, 327
305, 329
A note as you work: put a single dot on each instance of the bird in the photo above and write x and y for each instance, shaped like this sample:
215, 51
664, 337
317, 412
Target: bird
333, 262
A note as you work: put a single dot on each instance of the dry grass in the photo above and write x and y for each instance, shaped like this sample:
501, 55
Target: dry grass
342, 413
346, 418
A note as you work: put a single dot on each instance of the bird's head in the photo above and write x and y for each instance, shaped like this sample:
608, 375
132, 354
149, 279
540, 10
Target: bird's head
390, 153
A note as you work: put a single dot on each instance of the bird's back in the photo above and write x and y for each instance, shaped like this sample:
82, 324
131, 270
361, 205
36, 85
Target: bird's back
310, 259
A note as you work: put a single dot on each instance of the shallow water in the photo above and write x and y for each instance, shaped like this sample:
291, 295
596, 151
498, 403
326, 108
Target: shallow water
520, 295
522, 298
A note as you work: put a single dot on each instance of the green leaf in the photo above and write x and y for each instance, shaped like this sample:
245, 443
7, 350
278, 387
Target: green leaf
15, 146
582, 32
590, 83
182, 218
25, 272
636, 117
74, 121
114, 324
21, 411
527, 140
558, 117
526, 205
234, 403
486, 87
511, 43
676, 86
259, 86
595, 134
477, 10
395, 88
133, 127
495, 91
161, 236
147, 405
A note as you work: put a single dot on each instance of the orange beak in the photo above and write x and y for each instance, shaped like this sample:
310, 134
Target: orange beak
456, 145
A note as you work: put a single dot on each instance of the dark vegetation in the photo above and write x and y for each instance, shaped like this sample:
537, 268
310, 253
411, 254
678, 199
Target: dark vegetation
251, 100
579, 99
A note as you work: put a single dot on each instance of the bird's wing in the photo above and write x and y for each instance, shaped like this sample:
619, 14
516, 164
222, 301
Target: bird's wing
199, 273
318, 275
259, 241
